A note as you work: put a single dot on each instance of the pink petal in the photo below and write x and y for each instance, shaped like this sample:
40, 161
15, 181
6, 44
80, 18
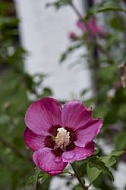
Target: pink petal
73, 36
75, 115
78, 153
88, 132
33, 140
48, 162
81, 25
94, 27
43, 114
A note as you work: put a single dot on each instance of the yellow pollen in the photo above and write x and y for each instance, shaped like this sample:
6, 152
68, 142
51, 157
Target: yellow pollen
63, 138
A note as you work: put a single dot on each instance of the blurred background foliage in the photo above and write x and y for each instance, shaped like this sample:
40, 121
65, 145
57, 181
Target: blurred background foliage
13, 102
15, 161
104, 56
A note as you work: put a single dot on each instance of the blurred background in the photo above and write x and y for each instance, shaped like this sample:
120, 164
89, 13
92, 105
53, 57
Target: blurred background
45, 35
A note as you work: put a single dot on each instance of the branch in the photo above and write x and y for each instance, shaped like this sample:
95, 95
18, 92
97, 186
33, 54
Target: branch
79, 177
76, 10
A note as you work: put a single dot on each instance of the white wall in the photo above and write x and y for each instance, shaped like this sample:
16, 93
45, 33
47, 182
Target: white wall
44, 34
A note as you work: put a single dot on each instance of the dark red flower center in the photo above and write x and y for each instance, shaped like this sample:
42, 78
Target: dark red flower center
60, 139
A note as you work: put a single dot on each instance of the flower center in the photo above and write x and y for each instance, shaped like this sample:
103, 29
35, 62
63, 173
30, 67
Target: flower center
63, 138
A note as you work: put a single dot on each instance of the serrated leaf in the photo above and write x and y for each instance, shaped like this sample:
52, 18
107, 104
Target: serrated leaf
38, 175
97, 163
43, 177
33, 179
116, 153
95, 166
93, 173
110, 160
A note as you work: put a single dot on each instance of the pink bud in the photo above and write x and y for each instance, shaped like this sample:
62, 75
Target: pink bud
72, 36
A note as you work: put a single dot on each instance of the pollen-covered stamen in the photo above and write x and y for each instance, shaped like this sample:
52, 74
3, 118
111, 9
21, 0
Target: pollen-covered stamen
63, 138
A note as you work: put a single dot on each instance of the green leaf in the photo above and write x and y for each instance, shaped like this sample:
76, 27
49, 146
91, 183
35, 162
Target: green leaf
95, 166
118, 23
43, 177
38, 175
47, 92
120, 140
33, 179
107, 73
59, 3
116, 153
110, 160
93, 173
69, 51
66, 171
109, 6
78, 188
9, 21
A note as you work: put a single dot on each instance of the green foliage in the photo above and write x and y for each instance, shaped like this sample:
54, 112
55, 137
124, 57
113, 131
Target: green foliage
37, 179
94, 168
78, 188
16, 165
96, 165
60, 3
105, 7
69, 51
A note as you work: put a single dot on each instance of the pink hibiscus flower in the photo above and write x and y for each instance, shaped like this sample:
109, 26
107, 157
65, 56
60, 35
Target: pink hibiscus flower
92, 26
59, 135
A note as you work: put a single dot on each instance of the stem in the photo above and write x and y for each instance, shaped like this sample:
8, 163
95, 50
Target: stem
81, 181
105, 52
76, 10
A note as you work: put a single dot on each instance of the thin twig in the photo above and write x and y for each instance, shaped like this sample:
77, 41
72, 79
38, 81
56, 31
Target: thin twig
76, 10
102, 50
79, 178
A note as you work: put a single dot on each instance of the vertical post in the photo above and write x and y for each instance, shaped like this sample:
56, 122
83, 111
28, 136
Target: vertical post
94, 63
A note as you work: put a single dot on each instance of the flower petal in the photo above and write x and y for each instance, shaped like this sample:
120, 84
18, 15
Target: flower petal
95, 29
78, 153
33, 140
48, 162
88, 132
43, 114
74, 115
